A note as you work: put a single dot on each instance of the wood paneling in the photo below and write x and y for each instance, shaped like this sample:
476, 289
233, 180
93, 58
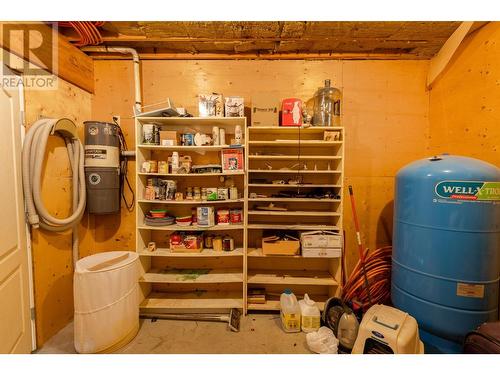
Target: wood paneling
73, 65
464, 109
385, 114
53, 270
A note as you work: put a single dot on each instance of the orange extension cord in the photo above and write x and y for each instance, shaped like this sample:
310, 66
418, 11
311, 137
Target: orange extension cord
87, 30
378, 272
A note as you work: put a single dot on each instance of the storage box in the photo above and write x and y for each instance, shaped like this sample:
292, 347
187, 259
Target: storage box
320, 244
168, 138
186, 242
234, 106
280, 247
291, 112
265, 110
232, 159
205, 216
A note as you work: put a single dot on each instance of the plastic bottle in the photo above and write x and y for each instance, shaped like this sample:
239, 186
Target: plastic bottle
238, 135
348, 329
310, 315
175, 161
290, 312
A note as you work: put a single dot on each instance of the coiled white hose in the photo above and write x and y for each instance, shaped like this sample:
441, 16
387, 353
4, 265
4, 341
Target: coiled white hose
34, 147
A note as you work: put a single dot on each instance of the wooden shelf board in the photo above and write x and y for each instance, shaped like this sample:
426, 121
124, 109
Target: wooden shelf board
192, 202
193, 228
298, 185
257, 253
302, 142
291, 200
292, 213
188, 148
293, 227
275, 305
291, 129
193, 300
290, 277
242, 173
295, 171
164, 252
294, 157
185, 121
176, 276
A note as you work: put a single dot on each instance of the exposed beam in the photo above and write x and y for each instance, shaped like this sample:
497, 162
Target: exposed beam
440, 61
255, 56
73, 66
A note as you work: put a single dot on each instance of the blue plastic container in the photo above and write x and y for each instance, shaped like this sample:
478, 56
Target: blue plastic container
446, 247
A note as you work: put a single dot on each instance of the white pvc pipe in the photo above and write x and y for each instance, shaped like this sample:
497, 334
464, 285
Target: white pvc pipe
137, 75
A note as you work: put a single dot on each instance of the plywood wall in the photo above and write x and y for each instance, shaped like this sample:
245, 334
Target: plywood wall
385, 113
464, 102
53, 270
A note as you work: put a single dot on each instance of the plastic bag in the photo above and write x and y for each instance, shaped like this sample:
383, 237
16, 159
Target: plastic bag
323, 341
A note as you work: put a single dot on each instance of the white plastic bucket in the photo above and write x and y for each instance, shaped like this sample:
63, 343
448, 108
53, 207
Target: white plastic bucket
106, 301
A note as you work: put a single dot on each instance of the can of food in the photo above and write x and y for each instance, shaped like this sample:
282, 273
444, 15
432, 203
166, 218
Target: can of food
227, 243
233, 193
197, 193
217, 243
222, 194
222, 216
187, 139
153, 166
209, 241
162, 167
235, 216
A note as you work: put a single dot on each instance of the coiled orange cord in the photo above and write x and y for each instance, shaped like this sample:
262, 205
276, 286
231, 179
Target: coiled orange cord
87, 31
378, 273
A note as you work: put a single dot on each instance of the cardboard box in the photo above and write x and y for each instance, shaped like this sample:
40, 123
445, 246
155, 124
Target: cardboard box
321, 252
234, 106
321, 244
291, 112
168, 138
280, 247
265, 110
186, 242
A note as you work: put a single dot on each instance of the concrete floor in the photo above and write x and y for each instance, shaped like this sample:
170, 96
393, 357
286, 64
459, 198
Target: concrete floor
259, 334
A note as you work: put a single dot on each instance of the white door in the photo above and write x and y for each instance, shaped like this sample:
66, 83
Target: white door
15, 329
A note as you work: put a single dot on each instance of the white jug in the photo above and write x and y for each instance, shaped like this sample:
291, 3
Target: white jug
290, 312
311, 316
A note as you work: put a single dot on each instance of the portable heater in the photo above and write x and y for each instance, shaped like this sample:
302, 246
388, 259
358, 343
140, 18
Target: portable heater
386, 330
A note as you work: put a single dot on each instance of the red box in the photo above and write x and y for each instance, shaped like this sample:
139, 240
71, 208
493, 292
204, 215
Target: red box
291, 112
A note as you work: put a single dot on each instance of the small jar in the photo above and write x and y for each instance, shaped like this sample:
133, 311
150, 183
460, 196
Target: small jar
189, 193
197, 193
203, 194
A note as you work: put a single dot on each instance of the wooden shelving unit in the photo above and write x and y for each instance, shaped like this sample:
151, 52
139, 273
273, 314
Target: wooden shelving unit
173, 281
217, 281
274, 155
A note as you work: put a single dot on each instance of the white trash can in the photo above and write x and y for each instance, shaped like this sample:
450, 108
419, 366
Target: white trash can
106, 301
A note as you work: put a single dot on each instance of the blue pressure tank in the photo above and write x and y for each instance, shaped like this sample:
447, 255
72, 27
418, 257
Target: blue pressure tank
446, 247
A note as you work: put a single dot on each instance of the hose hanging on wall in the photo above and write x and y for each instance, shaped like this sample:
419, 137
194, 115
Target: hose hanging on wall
33, 154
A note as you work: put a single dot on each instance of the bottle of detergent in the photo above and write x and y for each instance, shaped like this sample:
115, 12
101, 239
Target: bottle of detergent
310, 315
290, 312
